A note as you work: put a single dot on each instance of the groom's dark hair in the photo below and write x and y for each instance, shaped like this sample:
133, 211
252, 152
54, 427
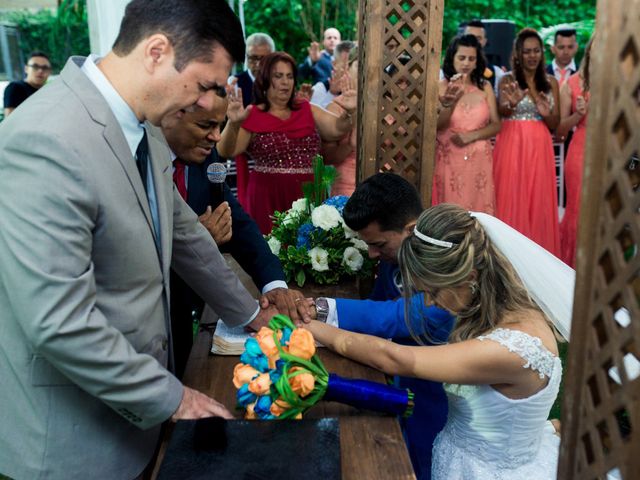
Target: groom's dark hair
192, 27
385, 198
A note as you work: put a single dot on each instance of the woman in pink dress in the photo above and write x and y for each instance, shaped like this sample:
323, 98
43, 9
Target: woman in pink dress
574, 100
524, 164
467, 119
342, 154
282, 134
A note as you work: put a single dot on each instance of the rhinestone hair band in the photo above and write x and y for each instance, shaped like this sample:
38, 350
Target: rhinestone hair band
433, 241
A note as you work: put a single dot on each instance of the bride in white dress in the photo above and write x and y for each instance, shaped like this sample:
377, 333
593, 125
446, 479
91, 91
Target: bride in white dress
500, 368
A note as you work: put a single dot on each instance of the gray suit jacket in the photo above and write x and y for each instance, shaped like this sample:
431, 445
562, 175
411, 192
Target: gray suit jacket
84, 323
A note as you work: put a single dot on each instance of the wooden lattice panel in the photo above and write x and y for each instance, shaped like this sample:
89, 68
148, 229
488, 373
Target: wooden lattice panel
601, 409
398, 88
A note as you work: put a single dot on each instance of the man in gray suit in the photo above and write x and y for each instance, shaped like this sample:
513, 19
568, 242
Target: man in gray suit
90, 224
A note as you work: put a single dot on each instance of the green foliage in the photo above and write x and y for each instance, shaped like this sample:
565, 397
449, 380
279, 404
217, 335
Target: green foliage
293, 24
311, 240
536, 14
60, 35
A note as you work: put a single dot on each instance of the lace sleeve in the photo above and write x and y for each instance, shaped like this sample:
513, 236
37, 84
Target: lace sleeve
530, 348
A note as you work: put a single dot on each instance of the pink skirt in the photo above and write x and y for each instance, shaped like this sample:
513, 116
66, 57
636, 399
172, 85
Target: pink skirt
525, 181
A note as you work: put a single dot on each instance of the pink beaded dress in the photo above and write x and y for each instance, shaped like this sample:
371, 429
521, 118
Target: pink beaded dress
525, 177
283, 151
573, 179
464, 175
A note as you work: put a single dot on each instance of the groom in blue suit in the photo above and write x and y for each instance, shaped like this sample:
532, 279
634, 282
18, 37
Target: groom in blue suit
192, 138
383, 211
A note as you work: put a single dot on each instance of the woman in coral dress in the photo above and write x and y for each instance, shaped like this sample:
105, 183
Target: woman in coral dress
342, 154
574, 99
468, 118
524, 164
282, 134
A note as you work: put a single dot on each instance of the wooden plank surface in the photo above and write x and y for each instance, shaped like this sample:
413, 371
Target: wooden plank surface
371, 445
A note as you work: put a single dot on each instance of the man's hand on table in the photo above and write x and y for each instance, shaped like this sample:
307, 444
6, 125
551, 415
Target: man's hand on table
288, 302
195, 404
262, 319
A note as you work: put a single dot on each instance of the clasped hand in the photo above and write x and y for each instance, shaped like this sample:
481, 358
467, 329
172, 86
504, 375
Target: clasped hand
285, 301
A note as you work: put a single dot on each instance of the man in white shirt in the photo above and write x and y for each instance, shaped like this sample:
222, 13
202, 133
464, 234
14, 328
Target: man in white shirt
564, 49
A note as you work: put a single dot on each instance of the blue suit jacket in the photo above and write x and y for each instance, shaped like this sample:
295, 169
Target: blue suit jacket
319, 71
430, 412
247, 246
246, 85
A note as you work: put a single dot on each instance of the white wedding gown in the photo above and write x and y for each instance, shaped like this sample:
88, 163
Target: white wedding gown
489, 436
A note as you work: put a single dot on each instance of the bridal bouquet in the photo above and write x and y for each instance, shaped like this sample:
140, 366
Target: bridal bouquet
281, 376
311, 239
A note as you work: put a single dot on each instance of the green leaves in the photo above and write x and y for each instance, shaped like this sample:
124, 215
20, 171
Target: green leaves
60, 35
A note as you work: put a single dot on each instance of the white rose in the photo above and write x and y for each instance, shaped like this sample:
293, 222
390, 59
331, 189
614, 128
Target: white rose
359, 244
352, 258
326, 217
299, 205
274, 245
348, 233
319, 259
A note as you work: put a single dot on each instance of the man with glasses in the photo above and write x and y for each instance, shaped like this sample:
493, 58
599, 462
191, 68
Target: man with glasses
37, 69
259, 45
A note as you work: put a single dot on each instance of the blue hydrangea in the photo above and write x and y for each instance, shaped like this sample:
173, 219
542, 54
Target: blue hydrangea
275, 375
262, 408
244, 396
339, 201
304, 235
286, 335
253, 356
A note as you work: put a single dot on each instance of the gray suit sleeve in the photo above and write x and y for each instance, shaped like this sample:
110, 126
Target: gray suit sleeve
48, 212
209, 275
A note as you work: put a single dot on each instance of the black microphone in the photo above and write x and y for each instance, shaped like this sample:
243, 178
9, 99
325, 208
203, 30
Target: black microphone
216, 173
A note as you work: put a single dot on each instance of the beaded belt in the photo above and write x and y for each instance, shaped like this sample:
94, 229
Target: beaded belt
265, 169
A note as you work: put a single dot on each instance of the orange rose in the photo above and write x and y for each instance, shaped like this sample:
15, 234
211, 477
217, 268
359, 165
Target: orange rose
261, 384
266, 342
250, 414
301, 344
243, 374
279, 407
271, 361
303, 383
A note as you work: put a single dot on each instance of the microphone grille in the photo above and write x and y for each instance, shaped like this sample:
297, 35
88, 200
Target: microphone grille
216, 173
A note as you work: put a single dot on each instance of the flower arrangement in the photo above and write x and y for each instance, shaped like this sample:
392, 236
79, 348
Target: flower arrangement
280, 376
311, 239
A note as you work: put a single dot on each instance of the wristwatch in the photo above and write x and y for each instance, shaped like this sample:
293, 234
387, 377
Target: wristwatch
322, 309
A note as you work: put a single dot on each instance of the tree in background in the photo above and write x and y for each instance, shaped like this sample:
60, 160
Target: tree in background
60, 34
293, 24
538, 14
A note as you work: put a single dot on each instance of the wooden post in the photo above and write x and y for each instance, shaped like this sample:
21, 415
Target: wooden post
399, 58
601, 418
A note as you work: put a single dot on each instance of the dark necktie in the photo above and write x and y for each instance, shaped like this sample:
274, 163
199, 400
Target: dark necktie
142, 159
178, 177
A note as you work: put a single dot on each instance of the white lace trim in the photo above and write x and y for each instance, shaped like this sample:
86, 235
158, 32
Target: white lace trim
530, 348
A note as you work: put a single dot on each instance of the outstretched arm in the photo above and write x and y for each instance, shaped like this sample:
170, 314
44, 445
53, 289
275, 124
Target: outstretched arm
469, 362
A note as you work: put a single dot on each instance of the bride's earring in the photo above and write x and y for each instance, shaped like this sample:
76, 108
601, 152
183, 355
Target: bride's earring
474, 288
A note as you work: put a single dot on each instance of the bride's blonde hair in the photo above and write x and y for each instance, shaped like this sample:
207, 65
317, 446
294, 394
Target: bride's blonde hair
497, 288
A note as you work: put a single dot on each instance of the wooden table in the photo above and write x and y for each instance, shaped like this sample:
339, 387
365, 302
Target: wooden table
371, 445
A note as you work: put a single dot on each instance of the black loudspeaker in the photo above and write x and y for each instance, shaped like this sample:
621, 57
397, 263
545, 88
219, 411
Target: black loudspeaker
500, 36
